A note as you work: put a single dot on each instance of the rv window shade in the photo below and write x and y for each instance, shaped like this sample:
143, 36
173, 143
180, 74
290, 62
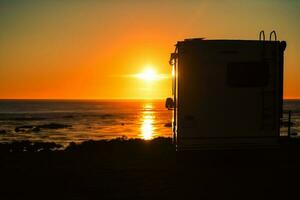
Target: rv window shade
247, 74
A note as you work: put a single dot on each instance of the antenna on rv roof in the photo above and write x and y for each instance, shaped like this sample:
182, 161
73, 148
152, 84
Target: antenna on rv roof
275, 35
262, 35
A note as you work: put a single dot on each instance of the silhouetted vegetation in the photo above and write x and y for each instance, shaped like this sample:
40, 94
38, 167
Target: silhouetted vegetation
123, 145
28, 146
138, 169
118, 145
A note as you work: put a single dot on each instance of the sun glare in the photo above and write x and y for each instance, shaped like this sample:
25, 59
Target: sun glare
148, 119
148, 75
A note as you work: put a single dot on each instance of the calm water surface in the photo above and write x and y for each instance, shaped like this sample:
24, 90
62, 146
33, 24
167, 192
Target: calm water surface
85, 120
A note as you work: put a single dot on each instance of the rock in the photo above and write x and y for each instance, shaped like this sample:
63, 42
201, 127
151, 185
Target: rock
36, 129
39, 127
23, 128
27, 118
53, 126
68, 116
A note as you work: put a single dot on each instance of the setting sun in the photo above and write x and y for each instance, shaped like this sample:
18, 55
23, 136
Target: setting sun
148, 75
148, 82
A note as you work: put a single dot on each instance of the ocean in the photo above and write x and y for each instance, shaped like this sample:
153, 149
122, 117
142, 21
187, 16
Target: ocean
65, 121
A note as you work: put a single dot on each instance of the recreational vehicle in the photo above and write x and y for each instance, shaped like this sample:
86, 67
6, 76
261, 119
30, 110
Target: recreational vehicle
227, 93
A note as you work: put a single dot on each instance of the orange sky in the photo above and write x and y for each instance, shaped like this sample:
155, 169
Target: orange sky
89, 49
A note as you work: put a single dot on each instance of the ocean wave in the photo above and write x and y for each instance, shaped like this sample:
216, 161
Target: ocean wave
37, 128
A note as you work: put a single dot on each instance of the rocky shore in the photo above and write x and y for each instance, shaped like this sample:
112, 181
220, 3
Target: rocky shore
139, 169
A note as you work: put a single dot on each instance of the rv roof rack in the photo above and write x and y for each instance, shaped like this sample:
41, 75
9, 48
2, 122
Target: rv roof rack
262, 36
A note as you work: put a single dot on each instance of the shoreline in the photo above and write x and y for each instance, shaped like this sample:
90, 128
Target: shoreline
141, 169
23, 146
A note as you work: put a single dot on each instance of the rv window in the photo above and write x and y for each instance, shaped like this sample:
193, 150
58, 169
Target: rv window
247, 74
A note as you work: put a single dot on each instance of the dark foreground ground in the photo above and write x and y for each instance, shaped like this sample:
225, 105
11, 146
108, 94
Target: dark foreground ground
137, 169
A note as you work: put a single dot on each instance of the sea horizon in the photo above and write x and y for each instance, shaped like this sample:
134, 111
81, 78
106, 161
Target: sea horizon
100, 99
65, 121
84, 99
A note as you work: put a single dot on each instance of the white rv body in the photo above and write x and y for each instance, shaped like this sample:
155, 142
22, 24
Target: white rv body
227, 93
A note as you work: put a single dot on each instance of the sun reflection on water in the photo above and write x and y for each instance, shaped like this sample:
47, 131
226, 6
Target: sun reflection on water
147, 118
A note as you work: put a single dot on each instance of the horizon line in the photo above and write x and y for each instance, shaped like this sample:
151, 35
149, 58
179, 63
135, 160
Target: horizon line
102, 99
82, 98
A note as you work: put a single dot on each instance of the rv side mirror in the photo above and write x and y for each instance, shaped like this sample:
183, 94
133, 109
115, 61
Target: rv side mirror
169, 103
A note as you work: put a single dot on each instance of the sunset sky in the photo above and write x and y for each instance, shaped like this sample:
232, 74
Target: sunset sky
120, 48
